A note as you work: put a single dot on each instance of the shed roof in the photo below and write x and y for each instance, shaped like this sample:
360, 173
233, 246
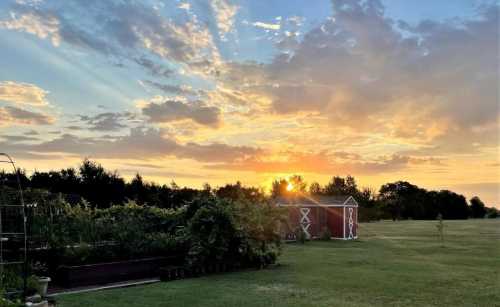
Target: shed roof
312, 200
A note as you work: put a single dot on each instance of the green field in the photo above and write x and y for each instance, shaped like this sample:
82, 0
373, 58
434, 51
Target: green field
393, 264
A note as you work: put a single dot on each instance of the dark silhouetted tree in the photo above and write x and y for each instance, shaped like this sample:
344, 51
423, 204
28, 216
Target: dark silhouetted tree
477, 207
315, 189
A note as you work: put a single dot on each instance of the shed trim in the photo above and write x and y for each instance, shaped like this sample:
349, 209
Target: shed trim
343, 219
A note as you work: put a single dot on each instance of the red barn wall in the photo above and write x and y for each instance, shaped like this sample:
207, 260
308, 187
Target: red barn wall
336, 221
320, 219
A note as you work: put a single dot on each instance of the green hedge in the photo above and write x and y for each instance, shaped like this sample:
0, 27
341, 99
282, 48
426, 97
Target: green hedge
205, 231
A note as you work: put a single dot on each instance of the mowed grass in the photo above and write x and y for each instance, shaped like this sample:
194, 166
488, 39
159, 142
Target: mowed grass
392, 264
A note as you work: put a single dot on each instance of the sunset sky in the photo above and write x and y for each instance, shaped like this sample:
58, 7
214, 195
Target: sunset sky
218, 90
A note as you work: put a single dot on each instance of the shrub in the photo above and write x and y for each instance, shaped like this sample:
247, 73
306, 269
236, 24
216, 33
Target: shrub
208, 230
211, 232
4, 302
300, 235
258, 223
80, 234
492, 213
12, 281
240, 232
368, 214
326, 234
440, 227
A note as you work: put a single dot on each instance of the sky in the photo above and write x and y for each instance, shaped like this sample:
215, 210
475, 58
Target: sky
221, 91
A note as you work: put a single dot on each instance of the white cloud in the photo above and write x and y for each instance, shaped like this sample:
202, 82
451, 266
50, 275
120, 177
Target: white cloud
225, 13
22, 93
268, 26
46, 26
184, 6
358, 71
129, 26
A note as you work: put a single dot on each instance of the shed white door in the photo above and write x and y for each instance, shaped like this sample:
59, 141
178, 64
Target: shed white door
305, 221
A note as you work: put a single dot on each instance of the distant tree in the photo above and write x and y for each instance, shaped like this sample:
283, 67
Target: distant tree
99, 187
398, 197
136, 190
237, 192
230, 191
183, 196
369, 205
207, 187
452, 205
492, 213
10, 178
336, 186
315, 188
298, 183
366, 198
279, 188
351, 187
477, 207
41, 180
69, 181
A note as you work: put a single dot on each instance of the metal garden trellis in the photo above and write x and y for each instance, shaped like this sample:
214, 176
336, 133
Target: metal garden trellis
15, 205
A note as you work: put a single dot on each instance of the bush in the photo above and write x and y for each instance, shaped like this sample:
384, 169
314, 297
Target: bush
80, 234
492, 213
207, 231
211, 233
9, 303
239, 232
326, 234
368, 214
258, 223
300, 235
13, 282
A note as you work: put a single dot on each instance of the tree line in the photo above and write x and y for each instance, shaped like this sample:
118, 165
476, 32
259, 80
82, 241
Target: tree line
396, 200
103, 188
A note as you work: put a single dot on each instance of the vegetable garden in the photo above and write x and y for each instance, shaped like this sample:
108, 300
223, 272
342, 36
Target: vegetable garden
79, 245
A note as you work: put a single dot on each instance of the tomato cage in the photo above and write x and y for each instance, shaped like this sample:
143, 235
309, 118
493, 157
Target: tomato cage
13, 233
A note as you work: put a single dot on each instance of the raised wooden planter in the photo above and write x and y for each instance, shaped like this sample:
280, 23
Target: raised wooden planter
173, 272
103, 273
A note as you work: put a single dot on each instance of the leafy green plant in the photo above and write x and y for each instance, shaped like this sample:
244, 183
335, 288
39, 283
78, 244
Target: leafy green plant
258, 223
4, 302
300, 235
211, 232
12, 281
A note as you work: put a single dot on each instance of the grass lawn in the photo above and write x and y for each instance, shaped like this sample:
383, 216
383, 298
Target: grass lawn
393, 264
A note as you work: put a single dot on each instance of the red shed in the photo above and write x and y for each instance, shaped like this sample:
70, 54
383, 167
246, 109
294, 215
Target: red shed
316, 214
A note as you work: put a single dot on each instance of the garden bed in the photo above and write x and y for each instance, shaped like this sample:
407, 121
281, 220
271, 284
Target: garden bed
104, 273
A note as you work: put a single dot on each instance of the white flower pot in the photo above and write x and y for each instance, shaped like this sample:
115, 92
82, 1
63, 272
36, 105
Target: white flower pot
43, 283
39, 304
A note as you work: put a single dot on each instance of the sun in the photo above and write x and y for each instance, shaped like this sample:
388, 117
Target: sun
289, 187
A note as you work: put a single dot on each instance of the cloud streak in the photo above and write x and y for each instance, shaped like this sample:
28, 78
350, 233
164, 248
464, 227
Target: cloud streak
174, 110
140, 144
16, 116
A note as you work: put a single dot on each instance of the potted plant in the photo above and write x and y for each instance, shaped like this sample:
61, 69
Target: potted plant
43, 284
